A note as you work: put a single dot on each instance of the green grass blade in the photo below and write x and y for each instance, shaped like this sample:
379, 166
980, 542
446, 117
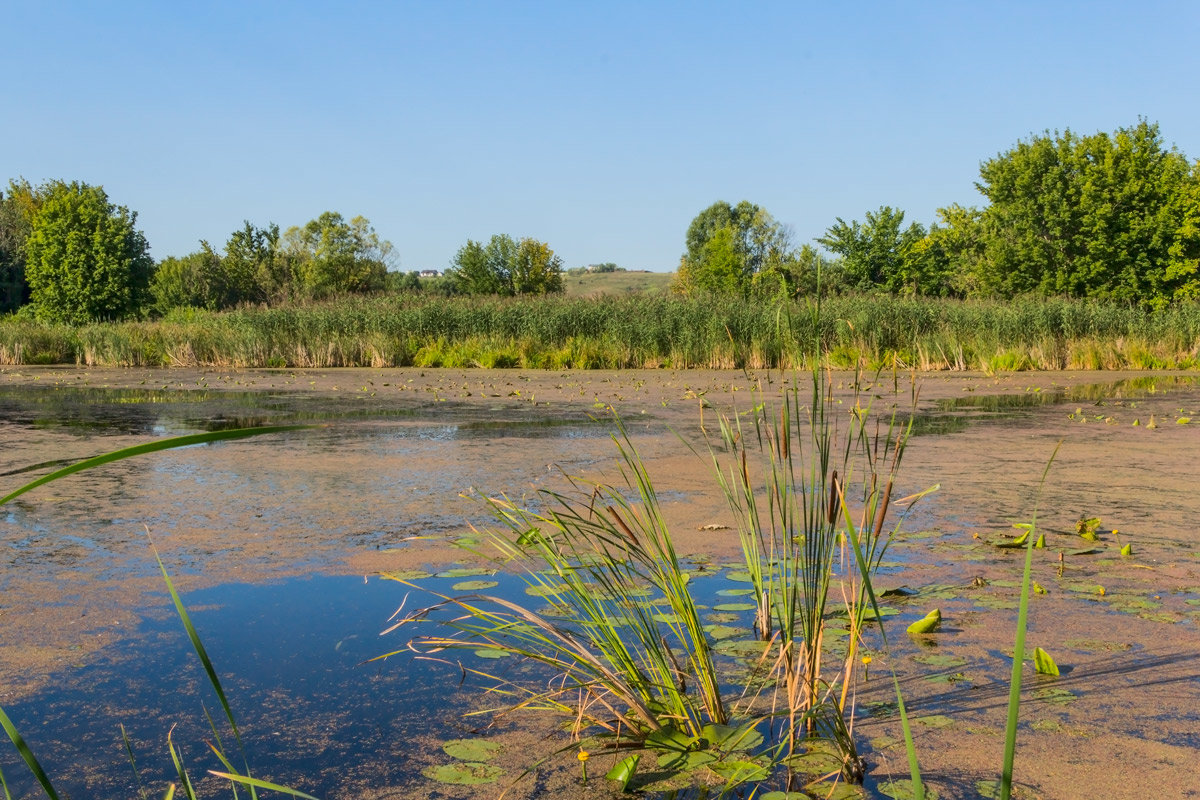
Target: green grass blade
151, 447
4, 786
27, 755
256, 783
132, 763
1014, 690
201, 653
914, 765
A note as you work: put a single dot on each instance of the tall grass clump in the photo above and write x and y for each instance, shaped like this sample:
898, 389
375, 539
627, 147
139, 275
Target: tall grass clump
632, 666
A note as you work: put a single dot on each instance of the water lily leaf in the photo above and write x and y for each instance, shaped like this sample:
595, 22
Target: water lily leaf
718, 632
471, 749
623, 771
928, 624
991, 791
735, 592
492, 652
1127, 550
903, 790
463, 774
748, 771
940, 660
409, 574
1040, 544
739, 576
1043, 663
686, 762
474, 586
674, 740
934, 721
735, 607
1087, 525
465, 572
1055, 696
732, 738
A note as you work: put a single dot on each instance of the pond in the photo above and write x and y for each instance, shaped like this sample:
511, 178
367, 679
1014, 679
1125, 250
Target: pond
276, 544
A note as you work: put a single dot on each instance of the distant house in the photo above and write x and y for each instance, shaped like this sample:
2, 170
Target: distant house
430, 273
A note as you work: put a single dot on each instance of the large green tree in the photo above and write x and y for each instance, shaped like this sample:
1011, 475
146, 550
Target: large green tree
330, 256
1085, 216
879, 253
18, 207
85, 259
728, 245
505, 266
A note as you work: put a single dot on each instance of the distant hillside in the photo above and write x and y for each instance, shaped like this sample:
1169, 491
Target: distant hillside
616, 283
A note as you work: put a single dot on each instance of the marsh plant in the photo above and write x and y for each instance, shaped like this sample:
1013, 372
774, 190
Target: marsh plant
633, 665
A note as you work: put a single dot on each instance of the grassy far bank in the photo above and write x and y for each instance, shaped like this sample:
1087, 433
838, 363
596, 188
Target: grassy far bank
620, 282
630, 331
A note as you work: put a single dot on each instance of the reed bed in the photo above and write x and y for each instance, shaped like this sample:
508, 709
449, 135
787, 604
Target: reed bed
631, 332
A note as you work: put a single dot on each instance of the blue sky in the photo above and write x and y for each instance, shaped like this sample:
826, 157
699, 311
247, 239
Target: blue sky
601, 128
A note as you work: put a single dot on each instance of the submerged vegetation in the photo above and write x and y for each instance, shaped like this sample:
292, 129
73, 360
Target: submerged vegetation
636, 331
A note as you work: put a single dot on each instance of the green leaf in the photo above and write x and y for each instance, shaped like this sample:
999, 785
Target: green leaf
151, 447
623, 771
1127, 550
27, 756
464, 773
471, 749
927, 624
1043, 663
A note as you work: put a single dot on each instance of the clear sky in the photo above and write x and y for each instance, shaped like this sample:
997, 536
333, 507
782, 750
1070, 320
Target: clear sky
601, 128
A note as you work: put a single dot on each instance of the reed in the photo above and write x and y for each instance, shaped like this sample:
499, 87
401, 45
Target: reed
870, 331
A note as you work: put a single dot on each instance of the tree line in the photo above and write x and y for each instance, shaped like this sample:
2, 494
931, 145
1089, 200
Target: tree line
68, 254
1112, 217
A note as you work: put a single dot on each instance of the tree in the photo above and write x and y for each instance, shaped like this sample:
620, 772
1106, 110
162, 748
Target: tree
536, 269
878, 253
252, 270
84, 258
728, 245
1084, 216
18, 207
329, 256
505, 266
187, 282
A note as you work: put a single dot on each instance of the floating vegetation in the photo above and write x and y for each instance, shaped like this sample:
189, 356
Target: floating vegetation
927, 624
1043, 663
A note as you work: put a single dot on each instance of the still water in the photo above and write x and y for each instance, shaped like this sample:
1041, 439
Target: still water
265, 537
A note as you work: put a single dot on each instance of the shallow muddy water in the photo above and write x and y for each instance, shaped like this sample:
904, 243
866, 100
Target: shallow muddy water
275, 544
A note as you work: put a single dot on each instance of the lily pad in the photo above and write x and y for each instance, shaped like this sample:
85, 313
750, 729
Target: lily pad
471, 749
465, 572
934, 721
718, 632
464, 773
940, 660
1044, 663
991, 790
1055, 696
903, 790
735, 592
735, 607
474, 586
739, 576
927, 624
409, 574
491, 652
